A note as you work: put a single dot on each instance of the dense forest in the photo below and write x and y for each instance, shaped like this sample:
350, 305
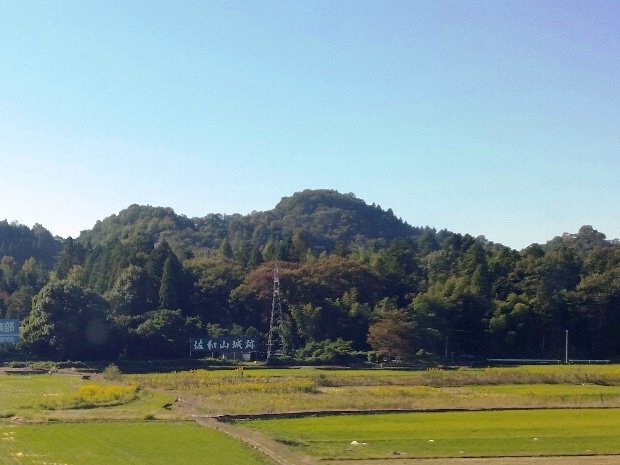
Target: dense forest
355, 281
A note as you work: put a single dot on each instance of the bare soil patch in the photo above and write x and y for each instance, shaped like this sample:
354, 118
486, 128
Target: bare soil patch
272, 449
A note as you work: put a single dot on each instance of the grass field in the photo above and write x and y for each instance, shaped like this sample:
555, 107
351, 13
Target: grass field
67, 397
235, 391
555, 373
69, 410
21, 393
126, 443
449, 434
281, 390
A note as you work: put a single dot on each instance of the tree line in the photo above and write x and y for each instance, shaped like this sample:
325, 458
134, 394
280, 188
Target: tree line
354, 279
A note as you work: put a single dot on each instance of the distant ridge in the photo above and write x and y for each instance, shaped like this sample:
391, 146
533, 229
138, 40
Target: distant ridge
324, 219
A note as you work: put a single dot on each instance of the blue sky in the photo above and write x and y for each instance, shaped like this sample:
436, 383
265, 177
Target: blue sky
494, 118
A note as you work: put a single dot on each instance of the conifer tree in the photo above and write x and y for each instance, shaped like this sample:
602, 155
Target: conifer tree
170, 289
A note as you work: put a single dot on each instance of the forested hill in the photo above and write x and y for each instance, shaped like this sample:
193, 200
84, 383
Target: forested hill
354, 278
319, 220
21, 243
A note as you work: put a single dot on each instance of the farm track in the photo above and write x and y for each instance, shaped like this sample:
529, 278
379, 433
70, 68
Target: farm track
272, 449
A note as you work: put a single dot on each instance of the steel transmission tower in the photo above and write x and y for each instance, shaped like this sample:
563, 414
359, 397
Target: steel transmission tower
274, 341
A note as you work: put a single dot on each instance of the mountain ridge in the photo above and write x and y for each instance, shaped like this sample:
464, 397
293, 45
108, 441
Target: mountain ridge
347, 268
323, 217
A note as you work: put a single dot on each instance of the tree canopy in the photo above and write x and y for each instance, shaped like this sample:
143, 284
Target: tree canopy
353, 277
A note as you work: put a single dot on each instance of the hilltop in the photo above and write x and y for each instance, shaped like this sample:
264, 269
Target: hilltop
322, 219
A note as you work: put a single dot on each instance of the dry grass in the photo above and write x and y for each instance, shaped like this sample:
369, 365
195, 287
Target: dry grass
91, 396
269, 391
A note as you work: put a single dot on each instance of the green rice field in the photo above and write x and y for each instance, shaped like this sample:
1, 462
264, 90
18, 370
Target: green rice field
449, 434
121, 443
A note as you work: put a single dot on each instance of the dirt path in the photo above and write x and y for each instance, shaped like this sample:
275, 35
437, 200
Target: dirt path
272, 449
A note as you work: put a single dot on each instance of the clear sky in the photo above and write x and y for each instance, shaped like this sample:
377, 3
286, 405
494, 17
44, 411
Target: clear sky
494, 118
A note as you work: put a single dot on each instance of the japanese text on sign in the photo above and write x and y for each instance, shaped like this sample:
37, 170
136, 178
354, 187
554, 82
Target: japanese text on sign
224, 344
9, 331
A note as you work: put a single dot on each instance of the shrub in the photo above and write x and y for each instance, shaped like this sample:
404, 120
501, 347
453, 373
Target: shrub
338, 351
112, 373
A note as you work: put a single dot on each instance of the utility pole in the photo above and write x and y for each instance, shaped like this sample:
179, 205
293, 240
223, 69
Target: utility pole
566, 347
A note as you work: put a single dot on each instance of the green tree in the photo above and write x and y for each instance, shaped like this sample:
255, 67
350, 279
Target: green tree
225, 249
68, 322
514, 328
399, 268
255, 258
171, 287
214, 278
132, 293
299, 246
595, 315
9, 273
72, 253
328, 351
307, 319
435, 318
162, 333
19, 303
32, 274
